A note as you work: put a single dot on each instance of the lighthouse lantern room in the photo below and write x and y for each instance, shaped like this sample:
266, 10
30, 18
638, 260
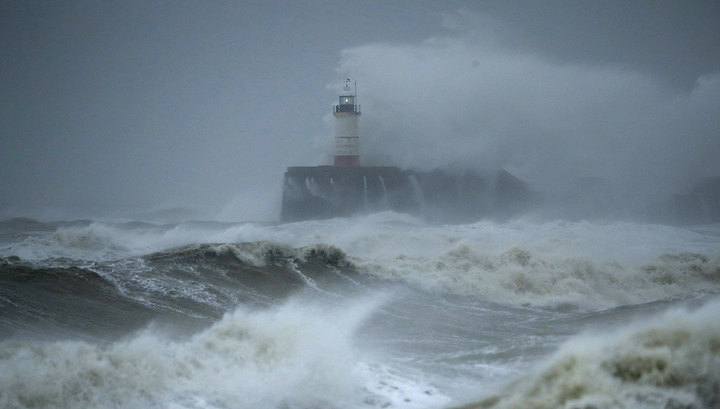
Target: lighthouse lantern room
347, 138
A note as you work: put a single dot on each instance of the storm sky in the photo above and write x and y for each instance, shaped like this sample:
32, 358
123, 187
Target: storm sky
119, 108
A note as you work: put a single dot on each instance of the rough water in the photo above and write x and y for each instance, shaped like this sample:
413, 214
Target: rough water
377, 311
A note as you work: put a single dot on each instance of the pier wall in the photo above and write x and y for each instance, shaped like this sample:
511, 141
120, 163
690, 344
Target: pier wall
321, 192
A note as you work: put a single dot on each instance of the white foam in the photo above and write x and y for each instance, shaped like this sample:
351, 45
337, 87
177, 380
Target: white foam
378, 235
518, 277
299, 355
389, 388
670, 361
595, 264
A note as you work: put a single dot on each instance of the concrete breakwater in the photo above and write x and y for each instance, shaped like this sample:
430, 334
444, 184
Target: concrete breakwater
320, 192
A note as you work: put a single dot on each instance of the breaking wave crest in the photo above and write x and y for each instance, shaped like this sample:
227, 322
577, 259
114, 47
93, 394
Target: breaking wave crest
197, 281
108, 241
519, 276
298, 355
670, 362
257, 254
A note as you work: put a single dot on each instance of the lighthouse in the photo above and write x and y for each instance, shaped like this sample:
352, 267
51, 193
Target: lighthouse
346, 189
347, 138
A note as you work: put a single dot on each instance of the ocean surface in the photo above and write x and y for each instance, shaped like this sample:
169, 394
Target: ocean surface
376, 311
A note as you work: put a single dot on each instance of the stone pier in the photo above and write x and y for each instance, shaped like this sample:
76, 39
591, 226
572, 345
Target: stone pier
321, 192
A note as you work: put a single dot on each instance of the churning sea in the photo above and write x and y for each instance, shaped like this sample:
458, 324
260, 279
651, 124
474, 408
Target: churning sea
375, 311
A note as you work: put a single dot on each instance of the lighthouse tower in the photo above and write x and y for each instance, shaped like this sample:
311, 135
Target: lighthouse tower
347, 138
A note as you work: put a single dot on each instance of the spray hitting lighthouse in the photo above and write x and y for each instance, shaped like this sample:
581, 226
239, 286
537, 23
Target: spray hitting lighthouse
345, 189
347, 138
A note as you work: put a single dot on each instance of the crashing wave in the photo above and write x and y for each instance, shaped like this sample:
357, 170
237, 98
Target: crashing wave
670, 362
519, 277
297, 355
257, 254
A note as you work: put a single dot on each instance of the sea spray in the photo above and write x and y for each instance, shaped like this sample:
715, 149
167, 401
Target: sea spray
672, 361
299, 354
474, 305
519, 276
368, 236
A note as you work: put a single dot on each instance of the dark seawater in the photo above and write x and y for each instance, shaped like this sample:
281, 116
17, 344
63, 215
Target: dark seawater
380, 311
